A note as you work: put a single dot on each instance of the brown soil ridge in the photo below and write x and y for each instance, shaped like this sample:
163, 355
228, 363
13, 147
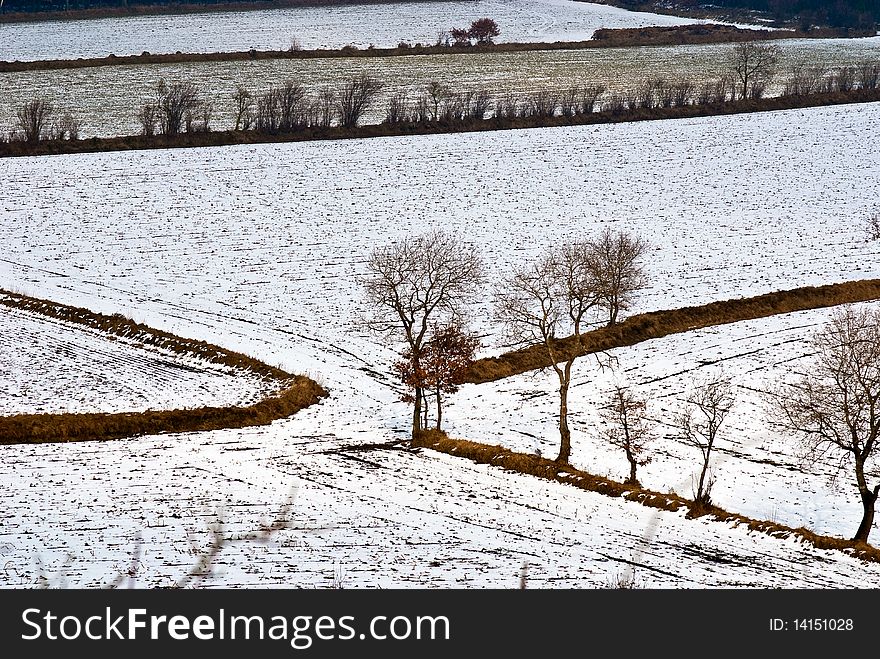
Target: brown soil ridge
533, 465
602, 38
656, 324
296, 391
230, 138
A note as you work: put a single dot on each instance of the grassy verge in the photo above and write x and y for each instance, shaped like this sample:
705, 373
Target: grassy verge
656, 324
296, 391
226, 138
532, 465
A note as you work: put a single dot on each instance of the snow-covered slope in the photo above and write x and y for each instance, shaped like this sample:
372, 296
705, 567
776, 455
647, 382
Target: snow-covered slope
382, 25
256, 248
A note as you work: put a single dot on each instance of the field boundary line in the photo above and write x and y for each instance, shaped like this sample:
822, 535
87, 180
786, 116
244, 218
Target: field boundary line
296, 391
532, 465
657, 324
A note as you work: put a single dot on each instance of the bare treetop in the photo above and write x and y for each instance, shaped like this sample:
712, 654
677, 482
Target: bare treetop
432, 275
547, 299
616, 264
754, 66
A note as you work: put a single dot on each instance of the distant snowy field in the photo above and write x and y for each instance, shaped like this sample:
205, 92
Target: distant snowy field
256, 248
51, 366
382, 25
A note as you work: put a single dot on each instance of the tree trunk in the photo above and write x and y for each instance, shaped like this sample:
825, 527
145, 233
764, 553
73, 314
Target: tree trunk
417, 413
439, 412
632, 473
869, 498
564, 432
424, 410
699, 494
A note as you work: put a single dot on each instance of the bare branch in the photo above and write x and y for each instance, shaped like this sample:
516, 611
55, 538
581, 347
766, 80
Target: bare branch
834, 410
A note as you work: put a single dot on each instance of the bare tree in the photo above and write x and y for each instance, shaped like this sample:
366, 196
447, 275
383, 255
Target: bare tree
397, 111
589, 96
244, 108
706, 408
198, 118
545, 301
437, 93
355, 98
568, 102
268, 114
173, 104
626, 427
415, 282
326, 108
834, 408
33, 117
543, 103
506, 107
802, 80
869, 75
753, 66
66, 128
148, 119
717, 91
682, 92
291, 105
615, 261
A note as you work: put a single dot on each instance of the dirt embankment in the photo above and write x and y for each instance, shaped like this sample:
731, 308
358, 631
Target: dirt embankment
548, 469
703, 33
655, 324
295, 391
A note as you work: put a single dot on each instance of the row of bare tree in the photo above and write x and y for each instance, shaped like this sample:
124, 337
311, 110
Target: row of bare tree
181, 107
419, 290
34, 123
428, 282
287, 107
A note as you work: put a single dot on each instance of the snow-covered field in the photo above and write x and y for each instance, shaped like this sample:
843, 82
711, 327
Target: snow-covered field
756, 469
382, 25
256, 248
51, 366
107, 100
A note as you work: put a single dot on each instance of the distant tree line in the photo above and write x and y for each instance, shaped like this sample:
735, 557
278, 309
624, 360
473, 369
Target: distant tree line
833, 13
860, 14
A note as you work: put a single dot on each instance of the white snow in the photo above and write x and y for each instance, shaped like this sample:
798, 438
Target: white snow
521, 413
256, 248
382, 25
52, 366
